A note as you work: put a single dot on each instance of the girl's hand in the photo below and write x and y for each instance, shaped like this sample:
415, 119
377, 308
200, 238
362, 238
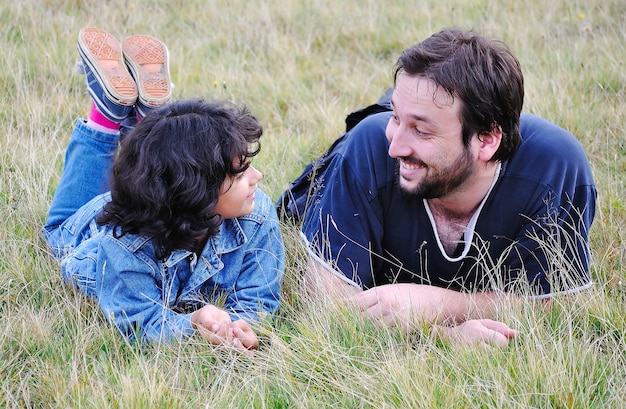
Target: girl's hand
212, 323
244, 338
216, 327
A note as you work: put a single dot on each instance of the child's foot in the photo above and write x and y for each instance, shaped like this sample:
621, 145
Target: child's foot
148, 62
109, 83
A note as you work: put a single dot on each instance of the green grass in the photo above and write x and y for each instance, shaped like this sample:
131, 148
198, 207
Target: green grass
301, 67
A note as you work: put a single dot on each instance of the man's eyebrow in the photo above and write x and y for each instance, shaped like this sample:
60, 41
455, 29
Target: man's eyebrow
419, 118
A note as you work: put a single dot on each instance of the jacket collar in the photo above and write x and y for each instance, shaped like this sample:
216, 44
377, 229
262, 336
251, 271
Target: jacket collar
230, 237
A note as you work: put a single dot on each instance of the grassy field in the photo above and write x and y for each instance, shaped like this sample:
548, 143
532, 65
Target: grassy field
301, 67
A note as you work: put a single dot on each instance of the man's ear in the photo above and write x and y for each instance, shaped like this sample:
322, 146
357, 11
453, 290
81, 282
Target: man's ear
489, 143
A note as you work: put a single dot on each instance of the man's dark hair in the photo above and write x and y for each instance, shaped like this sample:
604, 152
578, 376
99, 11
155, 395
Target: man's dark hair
167, 177
482, 73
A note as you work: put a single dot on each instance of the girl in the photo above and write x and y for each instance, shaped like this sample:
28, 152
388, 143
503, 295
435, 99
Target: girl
171, 234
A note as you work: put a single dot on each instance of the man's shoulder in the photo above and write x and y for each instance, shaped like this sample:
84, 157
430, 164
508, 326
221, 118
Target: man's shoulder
357, 160
366, 147
541, 138
370, 132
549, 154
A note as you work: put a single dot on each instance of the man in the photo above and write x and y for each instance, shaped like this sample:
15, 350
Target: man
460, 206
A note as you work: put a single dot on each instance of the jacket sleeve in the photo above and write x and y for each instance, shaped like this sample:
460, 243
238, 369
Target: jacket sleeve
129, 291
257, 290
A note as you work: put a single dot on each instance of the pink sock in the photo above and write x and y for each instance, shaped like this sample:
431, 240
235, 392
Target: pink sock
96, 117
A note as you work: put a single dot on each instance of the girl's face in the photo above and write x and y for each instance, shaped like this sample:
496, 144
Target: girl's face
238, 193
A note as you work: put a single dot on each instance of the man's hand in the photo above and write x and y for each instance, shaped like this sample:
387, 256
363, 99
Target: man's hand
484, 333
406, 305
216, 327
412, 304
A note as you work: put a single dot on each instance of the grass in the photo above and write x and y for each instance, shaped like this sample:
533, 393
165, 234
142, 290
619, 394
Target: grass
301, 67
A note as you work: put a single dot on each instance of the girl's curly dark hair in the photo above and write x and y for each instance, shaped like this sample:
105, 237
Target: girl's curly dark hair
167, 177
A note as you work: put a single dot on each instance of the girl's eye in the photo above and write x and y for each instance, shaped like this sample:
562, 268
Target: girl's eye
242, 174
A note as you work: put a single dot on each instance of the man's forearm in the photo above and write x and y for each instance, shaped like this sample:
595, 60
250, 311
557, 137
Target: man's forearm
460, 307
431, 304
320, 280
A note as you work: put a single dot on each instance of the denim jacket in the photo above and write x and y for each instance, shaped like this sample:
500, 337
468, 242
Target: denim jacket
242, 266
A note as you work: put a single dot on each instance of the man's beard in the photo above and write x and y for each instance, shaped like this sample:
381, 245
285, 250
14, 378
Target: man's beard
440, 182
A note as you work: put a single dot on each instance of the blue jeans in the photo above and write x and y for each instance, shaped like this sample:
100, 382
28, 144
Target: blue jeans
88, 160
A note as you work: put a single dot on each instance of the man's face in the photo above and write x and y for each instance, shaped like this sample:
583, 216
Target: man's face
425, 136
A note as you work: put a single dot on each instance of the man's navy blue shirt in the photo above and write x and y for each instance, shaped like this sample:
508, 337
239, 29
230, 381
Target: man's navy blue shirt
530, 236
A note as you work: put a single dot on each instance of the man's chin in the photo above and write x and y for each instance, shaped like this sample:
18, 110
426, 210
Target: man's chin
409, 190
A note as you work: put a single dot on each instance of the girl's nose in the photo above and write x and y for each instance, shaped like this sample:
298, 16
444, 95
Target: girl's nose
257, 175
